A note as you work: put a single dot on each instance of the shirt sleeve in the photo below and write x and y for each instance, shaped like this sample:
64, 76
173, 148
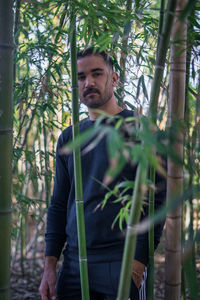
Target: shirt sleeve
55, 236
142, 253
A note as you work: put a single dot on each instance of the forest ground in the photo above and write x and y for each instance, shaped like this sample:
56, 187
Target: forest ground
26, 287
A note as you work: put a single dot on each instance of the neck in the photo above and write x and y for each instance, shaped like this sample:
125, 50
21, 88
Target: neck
110, 108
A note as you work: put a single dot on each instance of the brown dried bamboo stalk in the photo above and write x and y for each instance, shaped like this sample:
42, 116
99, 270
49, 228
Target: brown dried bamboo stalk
175, 170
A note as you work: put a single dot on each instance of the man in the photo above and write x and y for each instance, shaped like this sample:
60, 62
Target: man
96, 83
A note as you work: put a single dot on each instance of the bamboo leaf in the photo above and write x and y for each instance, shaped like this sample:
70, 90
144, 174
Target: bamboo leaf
79, 140
144, 87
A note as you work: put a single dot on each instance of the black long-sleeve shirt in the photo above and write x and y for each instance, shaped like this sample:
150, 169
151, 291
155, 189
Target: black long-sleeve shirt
104, 243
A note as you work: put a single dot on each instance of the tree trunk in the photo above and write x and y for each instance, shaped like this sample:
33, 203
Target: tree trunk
175, 171
6, 76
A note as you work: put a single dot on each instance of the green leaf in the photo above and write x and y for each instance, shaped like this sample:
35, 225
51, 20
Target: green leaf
80, 140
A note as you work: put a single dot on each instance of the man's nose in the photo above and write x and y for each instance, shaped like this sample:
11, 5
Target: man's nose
89, 82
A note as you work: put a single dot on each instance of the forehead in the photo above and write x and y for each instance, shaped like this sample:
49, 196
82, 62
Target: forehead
88, 63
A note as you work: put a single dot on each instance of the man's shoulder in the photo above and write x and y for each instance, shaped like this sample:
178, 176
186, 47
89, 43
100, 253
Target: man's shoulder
127, 113
67, 133
65, 136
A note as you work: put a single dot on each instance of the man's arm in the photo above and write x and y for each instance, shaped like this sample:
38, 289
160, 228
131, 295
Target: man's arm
55, 236
47, 287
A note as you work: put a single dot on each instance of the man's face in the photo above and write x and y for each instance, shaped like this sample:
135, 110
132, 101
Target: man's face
95, 81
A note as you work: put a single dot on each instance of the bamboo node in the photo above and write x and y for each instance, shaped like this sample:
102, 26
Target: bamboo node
82, 259
177, 70
159, 67
2, 290
172, 251
172, 284
130, 226
79, 201
132, 229
5, 212
7, 46
173, 217
5, 131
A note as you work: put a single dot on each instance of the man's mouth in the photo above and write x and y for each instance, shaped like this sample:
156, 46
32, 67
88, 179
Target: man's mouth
90, 92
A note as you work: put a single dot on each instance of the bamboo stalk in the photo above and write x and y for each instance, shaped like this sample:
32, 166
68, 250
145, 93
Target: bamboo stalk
77, 165
151, 237
16, 34
189, 273
123, 58
22, 242
6, 77
46, 161
151, 192
130, 241
160, 59
175, 171
161, 20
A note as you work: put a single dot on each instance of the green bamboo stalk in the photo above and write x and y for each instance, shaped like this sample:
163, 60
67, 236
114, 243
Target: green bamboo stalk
188, 221
6, 76
130, 241
22, 242
28, 128
16, 35
46, 160
160, 59
151, 238
161, 20
151, 192
123, 57
23, 217
187, 116
77, 165
190, 144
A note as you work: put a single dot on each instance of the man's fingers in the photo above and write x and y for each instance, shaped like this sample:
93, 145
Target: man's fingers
47, 287
137, 279
52, 290
45, 291
44, 295
137, 272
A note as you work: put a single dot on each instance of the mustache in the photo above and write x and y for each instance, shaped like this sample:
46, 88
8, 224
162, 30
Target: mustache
91, 90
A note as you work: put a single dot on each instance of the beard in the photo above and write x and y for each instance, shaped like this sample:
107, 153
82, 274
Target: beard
95, 100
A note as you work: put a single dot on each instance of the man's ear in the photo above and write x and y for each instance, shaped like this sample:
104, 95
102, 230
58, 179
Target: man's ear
114, 79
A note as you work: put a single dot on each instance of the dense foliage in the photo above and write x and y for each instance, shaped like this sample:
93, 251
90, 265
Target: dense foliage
42, 98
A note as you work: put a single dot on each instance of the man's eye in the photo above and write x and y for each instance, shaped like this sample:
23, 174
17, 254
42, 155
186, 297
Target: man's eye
81, 78
96, 74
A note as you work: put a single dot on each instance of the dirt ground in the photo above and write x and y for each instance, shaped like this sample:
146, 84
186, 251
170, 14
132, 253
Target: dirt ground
26, 287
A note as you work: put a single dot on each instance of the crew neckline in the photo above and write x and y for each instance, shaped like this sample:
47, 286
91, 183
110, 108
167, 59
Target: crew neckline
118, 114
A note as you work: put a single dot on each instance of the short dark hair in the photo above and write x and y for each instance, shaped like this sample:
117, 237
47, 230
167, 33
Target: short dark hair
96, 51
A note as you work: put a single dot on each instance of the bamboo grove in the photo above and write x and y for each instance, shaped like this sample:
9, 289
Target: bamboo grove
132, 32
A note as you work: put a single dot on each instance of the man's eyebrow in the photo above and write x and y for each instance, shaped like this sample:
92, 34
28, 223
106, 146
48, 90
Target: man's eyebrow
92, 70
97, 69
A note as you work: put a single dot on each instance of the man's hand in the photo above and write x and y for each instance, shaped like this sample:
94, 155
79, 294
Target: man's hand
137, 272
47, 287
